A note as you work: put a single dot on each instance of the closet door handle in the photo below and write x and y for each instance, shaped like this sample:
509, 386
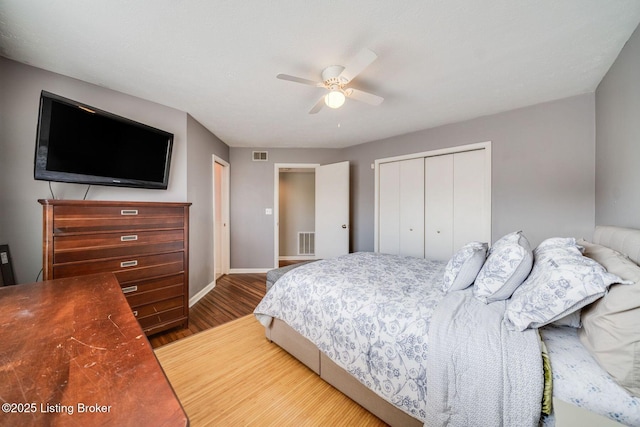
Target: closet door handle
344, 225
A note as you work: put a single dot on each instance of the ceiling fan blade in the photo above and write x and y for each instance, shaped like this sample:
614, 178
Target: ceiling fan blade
299, 80
318, 106
362, 60
363, 96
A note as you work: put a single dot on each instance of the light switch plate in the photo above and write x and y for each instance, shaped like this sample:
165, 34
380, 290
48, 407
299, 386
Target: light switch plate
268, 211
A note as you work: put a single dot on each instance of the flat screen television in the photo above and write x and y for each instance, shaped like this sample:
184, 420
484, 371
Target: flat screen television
82, 144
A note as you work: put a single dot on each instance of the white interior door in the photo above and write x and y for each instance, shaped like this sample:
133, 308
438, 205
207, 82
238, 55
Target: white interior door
438, 207
470, 188
412, 207
221, 240
389, 208
332, 210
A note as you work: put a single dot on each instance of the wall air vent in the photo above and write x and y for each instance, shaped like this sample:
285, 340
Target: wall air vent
306, 242
259, 156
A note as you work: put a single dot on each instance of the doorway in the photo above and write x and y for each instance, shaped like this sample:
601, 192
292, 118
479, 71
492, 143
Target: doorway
294, 212
331, 210
221, 237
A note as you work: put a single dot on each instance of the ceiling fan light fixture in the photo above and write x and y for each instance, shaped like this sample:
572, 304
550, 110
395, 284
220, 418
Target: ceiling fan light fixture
334, 99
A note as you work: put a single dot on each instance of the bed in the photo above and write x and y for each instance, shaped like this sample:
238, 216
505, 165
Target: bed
393, 300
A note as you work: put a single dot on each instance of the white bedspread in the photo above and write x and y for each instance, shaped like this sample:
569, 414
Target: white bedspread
370, 314
480, 372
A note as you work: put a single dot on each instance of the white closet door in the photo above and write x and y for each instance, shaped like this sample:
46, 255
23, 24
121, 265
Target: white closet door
450, 189
470, 220
438, 207
401, 208
412, 207
389, 208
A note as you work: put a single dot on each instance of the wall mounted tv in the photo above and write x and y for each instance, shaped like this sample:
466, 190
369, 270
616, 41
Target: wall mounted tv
81, 144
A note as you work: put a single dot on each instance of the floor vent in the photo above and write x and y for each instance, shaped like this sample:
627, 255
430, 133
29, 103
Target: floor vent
260, 156
306, 243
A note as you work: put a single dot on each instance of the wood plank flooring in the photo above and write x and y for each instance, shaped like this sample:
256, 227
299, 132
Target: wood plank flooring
233, 376
234, 296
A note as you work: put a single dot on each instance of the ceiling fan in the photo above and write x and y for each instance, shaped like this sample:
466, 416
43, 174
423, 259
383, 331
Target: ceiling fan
336, 77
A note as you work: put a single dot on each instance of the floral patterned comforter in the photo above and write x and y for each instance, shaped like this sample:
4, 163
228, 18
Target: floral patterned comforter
369, 313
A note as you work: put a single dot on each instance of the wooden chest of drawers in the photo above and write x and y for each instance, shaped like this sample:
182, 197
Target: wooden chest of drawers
145, 244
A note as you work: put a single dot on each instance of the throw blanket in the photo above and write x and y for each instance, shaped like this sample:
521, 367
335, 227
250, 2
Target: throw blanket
480, 373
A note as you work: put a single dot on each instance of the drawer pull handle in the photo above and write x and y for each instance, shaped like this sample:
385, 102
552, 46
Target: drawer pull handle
129, 212
130, 238
135, 313
128, 263
129, 289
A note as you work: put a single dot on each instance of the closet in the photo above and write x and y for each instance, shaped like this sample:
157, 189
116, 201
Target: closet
430, 204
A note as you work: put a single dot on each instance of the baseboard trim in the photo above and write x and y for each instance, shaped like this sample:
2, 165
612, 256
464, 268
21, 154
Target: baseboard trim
249, 270
197, 297
297, 258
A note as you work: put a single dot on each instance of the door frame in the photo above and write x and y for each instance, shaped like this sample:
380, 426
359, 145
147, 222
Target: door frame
226, 237
276, 203
439, 152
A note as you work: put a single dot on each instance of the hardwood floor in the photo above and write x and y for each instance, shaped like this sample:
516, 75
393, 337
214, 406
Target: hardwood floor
234, 296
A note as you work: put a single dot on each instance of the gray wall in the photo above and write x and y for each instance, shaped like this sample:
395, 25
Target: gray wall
543, 179
542, 169
20, 213
252, 192
618, 140
202, 145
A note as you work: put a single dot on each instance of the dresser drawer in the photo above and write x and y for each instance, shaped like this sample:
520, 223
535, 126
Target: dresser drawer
138, 298
102, 240
124, 250
126, 269
107, 218
156, 319
158, 307
140, 286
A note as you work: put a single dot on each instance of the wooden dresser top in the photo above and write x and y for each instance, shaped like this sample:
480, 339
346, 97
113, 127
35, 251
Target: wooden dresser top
72, 353
61, 202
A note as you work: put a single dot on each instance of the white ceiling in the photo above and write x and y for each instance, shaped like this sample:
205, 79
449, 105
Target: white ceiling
438, 61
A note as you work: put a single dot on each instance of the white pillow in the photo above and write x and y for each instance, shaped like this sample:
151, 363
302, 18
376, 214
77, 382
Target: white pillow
507, 266
463, 267
561, 282
562, 242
